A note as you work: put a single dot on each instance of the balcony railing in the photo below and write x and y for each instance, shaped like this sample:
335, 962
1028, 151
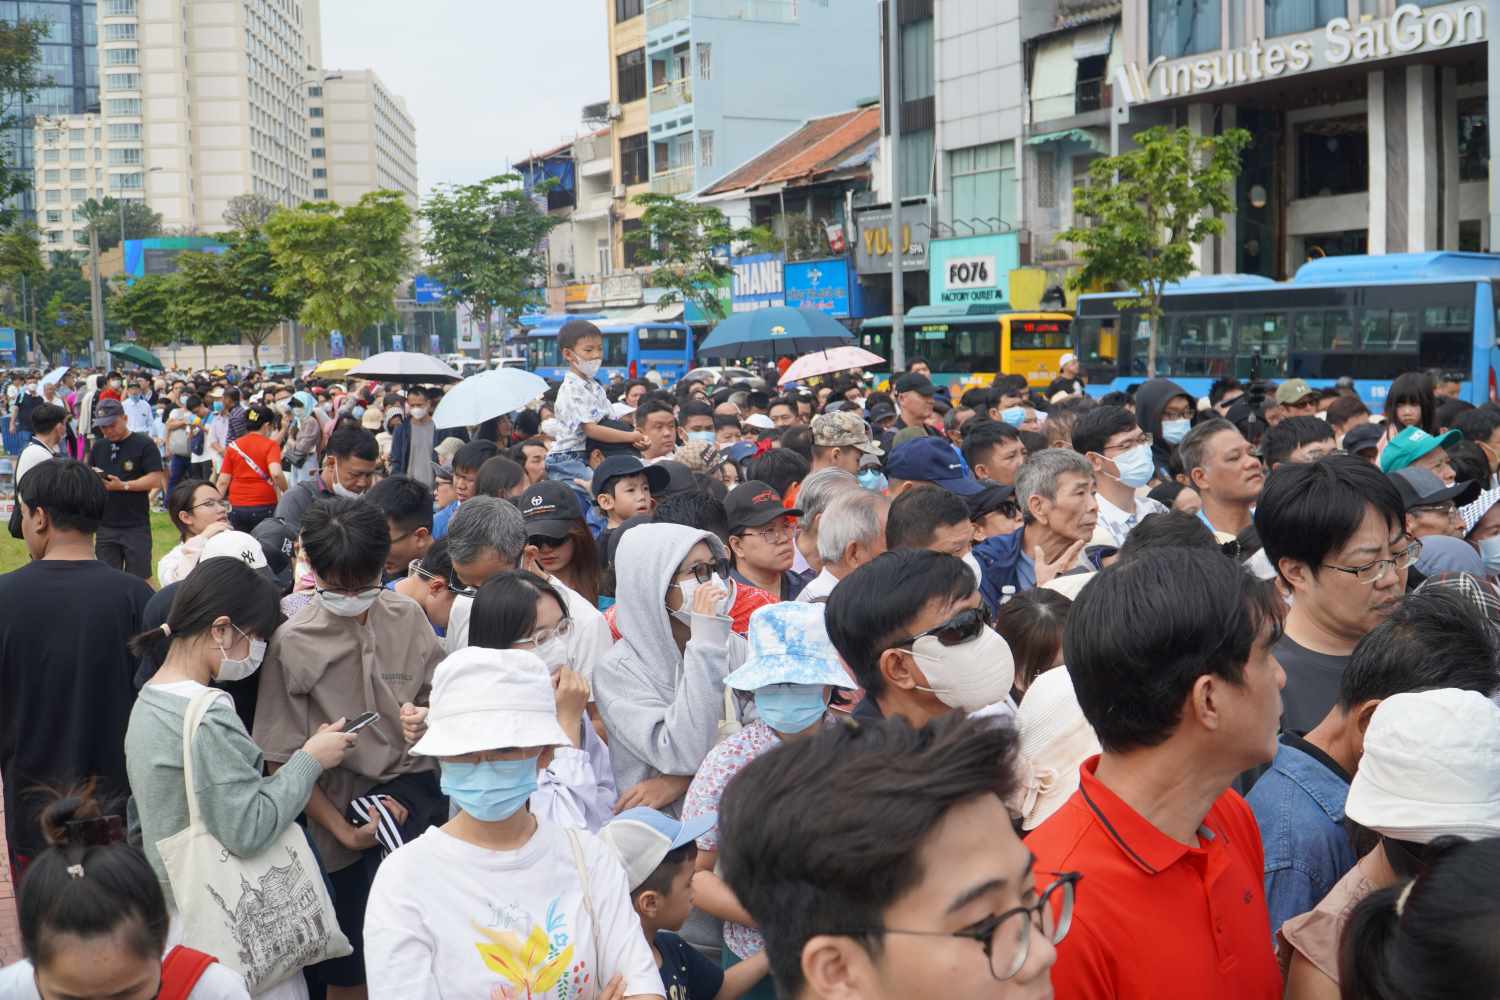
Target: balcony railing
783, 11
672, 95
1091, 95
676, 181
664, 12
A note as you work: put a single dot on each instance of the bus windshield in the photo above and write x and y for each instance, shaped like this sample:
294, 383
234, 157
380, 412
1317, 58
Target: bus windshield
958, 346
662, 338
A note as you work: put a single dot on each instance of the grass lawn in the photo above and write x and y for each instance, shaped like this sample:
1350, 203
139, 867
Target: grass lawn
163, 538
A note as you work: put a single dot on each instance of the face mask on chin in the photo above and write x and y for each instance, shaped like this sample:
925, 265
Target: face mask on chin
339, 489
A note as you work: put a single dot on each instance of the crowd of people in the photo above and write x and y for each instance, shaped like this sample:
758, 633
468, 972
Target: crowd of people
748, 690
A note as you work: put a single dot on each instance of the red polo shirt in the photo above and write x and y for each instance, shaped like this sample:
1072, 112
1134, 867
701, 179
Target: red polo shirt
1155, 918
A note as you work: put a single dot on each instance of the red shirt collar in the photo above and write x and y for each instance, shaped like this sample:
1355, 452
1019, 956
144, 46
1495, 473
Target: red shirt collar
1151, 850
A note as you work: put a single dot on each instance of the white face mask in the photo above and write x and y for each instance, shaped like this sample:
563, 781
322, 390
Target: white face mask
1135, 466
238, 670
1173, 431
970, 676
339, 489
690, 586
419, 413
588, 369
973, 565
1489, 551
349, 605
554, 653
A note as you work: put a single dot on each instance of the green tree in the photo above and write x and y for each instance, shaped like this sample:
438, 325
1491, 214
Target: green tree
20, 268
342, 264
234, 292
20, 76
146, 306
484, 245
66, 325
1142, 211
140, 221
688, 244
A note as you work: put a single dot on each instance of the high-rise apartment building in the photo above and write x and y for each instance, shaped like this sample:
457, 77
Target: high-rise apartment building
362, 138
69, 152
699, 87
69, 65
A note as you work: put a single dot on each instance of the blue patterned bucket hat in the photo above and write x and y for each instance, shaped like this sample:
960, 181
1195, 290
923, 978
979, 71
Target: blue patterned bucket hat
789, 644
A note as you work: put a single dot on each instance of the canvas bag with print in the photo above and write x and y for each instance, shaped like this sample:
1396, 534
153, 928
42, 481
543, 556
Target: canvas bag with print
265, 917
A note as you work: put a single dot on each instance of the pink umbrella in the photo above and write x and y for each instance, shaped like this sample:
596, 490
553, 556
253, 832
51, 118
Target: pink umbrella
828, 361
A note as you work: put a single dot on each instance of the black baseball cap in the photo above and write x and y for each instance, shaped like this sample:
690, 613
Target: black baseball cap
615, 466
915, 382
278, 541
679, 479
754, 503
550, 509
1357, 439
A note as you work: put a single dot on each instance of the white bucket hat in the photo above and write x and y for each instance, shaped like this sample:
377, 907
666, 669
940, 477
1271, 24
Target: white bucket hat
489, 699
1055, 740
1428, 768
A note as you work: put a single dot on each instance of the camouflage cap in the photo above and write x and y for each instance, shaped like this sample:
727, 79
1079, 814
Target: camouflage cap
843, 429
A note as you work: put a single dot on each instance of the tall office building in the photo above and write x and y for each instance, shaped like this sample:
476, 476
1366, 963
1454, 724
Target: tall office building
362, 138
69, 151
69, 64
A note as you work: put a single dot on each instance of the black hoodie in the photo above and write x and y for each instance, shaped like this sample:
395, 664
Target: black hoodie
1150, 399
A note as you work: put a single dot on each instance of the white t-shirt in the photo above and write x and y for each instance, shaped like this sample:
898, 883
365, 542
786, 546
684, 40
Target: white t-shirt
589, 641
34, 454
448, 919
218, 982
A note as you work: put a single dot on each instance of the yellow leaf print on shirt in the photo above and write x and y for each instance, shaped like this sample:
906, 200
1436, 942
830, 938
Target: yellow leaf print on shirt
523, 963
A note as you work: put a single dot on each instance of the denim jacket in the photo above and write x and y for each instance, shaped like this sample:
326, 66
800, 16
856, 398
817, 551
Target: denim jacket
1299, 807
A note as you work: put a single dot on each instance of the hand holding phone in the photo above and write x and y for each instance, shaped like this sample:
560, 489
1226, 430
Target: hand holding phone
360, 722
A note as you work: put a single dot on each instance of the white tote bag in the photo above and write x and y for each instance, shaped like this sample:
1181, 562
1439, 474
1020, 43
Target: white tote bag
264, 917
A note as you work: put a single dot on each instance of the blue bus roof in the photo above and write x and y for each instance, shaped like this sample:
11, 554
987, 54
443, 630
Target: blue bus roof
604, 325
1396, 267
532, 321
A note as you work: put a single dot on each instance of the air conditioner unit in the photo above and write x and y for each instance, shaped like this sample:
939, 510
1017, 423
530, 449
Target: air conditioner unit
619, 191
564, 268
615, 112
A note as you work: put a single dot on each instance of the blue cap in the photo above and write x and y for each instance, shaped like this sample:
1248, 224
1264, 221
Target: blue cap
643, 837
931, 460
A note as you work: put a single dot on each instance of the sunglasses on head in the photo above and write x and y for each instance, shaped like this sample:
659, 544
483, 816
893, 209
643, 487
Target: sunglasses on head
961, 628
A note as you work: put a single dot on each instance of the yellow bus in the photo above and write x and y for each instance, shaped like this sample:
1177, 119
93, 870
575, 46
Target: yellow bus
970, 349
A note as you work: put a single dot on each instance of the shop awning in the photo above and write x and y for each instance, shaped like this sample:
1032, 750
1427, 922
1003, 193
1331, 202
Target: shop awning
1054, 80
1093, 40
1078, 135
649, 314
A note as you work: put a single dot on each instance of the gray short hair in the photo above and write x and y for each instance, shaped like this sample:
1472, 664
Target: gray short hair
486, 523
819, 489
1040, 472
1193, 449
853, 516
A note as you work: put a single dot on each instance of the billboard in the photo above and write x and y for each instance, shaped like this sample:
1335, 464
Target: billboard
757, 281
973, 270
426, 290
158, 254
823, 285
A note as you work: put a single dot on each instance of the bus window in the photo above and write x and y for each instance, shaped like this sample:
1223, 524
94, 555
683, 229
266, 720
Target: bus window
1263, 335
616, 350
1098, 340
662, 338
1405, 327
876, 342
542, 352
1374, 330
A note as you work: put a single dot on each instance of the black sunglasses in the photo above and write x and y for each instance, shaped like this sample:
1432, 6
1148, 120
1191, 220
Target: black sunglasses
961, 628
705, 571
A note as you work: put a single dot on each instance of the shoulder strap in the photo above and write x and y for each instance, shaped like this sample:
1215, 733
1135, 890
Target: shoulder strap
180, 972
235, 447
197, 709
588, 898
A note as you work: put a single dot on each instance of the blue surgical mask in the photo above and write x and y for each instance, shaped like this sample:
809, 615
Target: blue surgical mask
218, 406
1489, 551
1014, 415
358, 412
490, 791
1173, 431
706, 437
791, 708
873, 480
1135, 466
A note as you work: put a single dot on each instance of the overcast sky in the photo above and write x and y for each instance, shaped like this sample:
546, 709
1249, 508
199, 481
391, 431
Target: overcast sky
488, 81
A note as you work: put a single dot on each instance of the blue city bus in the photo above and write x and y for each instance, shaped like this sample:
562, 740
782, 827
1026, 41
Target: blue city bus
630, 349
1368, 317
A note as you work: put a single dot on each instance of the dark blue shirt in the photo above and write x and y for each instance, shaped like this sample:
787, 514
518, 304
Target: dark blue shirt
685, 973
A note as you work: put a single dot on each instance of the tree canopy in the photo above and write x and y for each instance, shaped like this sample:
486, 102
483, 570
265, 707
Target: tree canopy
689, 246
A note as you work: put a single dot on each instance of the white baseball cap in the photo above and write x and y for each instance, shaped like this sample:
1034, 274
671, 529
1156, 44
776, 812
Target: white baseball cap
1428, 768
235, 545
759, 420
489, 699
643, 837
1065, 359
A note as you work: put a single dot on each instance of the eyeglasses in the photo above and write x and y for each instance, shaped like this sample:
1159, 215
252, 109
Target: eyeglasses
961, 628
561, 630
1183, 414
1374, 572
218, 503
1441, 509
414, 568
1140, 439
1006, 941
706, 571
782, 532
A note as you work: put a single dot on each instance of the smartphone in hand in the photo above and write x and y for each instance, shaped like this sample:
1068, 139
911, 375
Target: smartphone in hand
356, 724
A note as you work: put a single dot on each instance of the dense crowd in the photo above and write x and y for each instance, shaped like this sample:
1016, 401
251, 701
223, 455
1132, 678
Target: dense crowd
741, 690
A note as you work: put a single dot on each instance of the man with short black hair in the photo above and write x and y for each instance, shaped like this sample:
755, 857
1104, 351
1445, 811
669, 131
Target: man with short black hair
727, 429
910, 626
467, 462
407, 506
930, 518
696, 418
348, 471
1120, 452
1481, 425
1170, 657
1225, 472
902, 850
783, 411
235, 414
1434, 639
1297, 439
993, 451
65, 621
655, 419
1334, 532
130, 465
414, 437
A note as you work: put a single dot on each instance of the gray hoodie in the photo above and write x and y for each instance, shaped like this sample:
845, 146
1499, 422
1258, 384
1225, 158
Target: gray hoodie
662, 708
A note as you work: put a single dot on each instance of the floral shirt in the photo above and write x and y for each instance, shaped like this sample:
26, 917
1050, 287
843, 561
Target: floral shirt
723, 762
580, 401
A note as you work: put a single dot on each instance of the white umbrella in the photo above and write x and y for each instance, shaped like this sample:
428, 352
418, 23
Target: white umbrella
55, 375
404, 366
488, 394
828, 361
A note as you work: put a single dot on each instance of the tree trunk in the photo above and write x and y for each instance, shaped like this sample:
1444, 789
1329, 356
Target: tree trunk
205, 356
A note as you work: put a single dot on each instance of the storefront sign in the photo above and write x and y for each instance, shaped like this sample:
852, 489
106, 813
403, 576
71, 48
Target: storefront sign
758, 281
1410, 30
973, 270
580, 293
823, 285
874, 242
623, 289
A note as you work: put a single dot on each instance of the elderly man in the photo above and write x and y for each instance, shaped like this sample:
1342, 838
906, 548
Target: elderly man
1225, 471
130, 465
487, 537
853, 533
1055, 490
